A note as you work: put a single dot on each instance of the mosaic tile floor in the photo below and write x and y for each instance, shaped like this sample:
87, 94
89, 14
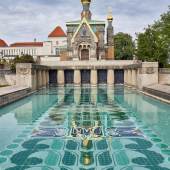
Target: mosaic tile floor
122, 144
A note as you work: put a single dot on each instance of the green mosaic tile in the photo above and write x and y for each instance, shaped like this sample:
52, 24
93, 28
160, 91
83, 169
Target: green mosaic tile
46, 168
69, 159
152, 135
18, 168
2, 160
149, 158
86, 169
156, 140
12, 146
52, 159
71, 145
57, 144
101, 145
18, 140
140, 144
167, 152
162, 146
109, 168
122, 158
116, 144
26, 131
33, 161
147, 131
22, 136
104, 159
6, 152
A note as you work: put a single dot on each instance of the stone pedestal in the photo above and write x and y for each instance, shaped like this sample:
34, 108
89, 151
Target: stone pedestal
93, 77
60, 77
147, 75
110, 77
77, 77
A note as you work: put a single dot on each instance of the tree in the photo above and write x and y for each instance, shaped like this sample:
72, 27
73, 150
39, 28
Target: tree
21, 59
124, 46
154, 43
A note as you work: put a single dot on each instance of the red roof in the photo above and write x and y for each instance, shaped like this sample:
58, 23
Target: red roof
27, 44
3, 43
57, 32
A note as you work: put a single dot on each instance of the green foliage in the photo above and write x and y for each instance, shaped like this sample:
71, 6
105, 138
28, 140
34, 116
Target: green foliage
124, 46
154, 43
3, 61
21, 59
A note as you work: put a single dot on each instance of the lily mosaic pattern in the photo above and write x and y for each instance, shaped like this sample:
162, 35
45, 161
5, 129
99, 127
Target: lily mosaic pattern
87, 135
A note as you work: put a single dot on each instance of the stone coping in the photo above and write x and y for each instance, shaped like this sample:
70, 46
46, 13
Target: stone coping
102, 64
11, 89
162, 91
31, 66
164, 70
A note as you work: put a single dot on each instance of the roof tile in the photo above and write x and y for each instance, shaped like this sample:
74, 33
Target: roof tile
57, 32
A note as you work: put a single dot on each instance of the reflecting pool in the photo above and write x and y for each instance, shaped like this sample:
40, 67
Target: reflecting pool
85, 128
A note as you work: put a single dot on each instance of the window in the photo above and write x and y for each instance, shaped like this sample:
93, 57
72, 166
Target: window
57, 51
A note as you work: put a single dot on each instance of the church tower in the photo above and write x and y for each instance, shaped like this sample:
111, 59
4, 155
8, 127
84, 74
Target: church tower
86, 9
110, 33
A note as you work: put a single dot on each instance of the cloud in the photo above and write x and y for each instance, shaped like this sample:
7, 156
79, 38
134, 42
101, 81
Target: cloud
23, 20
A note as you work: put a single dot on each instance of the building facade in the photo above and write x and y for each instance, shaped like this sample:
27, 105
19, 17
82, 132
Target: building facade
56, 43
85, 40
86, 37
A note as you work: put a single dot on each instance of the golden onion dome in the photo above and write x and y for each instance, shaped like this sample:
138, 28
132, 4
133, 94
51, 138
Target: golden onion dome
85, 1
110, 15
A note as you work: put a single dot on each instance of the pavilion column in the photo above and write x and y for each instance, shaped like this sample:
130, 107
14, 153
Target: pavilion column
129, 77
43, 78
110, 77
39, 78
93, 78
77, 77
47, 77
60, 77
134, 77
125, 77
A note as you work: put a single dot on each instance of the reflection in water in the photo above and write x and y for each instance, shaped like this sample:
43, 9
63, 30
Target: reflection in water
88, 126
90, 108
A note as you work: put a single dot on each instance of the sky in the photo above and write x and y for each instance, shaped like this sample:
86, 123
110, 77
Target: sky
24, 20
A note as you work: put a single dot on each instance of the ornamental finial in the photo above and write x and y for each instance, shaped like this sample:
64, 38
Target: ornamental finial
110, 14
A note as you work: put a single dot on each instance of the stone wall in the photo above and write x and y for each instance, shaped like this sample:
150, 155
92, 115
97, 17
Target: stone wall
164, 76
7, 77
31, 75
9, 97
147, 74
